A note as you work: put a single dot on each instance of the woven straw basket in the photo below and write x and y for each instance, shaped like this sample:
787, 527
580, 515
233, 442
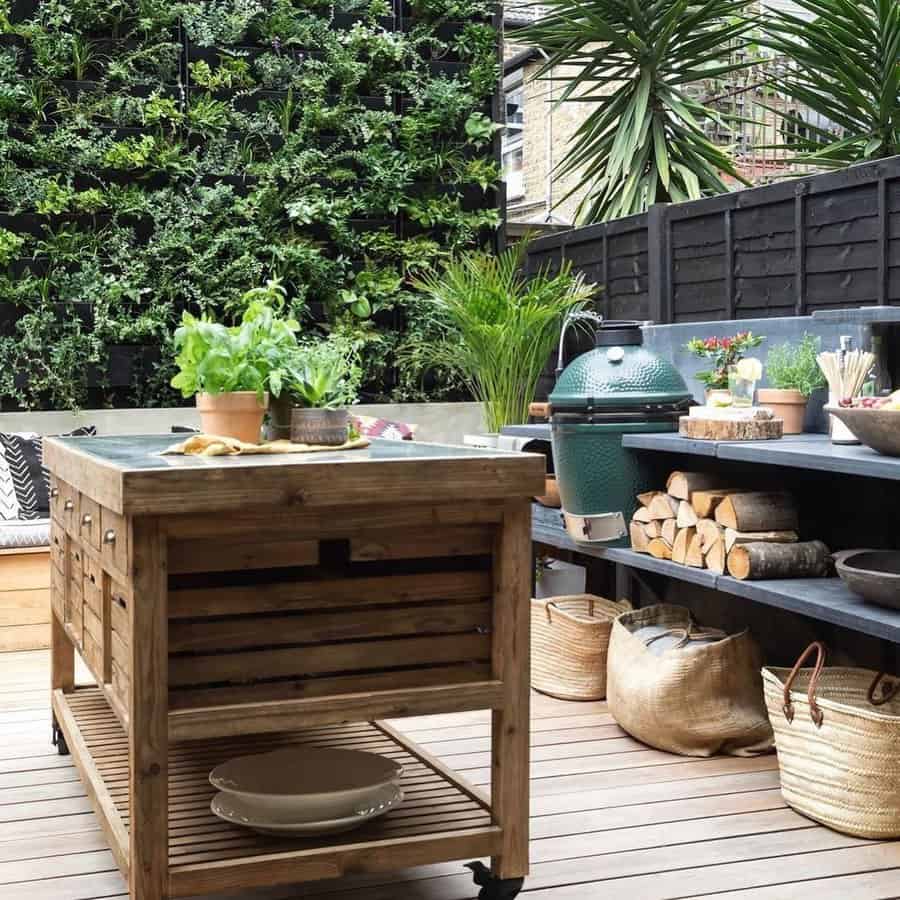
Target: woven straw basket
837, 732
569, 643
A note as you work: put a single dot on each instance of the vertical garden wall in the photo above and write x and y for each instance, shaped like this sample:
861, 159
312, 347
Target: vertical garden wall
158, 156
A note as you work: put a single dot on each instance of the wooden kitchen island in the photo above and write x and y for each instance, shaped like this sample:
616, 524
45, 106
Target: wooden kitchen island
229, 605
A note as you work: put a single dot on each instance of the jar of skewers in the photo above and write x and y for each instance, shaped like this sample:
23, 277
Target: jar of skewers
845, 370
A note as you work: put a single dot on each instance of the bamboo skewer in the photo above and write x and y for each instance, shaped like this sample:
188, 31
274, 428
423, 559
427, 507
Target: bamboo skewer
845, 372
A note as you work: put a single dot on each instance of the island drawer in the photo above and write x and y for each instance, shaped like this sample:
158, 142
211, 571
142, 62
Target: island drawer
64, 504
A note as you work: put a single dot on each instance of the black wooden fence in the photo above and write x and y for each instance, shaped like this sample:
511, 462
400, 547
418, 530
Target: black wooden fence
825, 242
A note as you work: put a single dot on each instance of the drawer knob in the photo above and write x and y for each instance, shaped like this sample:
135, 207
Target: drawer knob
69, 504
109, 536
86, 519
54, 492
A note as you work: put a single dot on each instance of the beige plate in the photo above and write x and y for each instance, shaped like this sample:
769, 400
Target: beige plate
305, 784
233, 810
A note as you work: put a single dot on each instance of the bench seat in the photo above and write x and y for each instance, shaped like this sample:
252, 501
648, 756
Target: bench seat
19, 534
24, 584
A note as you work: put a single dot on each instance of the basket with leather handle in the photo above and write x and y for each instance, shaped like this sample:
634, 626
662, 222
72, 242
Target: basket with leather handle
569, 644
837, 731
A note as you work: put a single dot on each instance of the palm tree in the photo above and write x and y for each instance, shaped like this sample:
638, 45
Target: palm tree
845, 67
635, 61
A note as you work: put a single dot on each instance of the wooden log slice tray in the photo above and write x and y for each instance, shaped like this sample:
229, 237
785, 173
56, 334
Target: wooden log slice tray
441, 816
730, 429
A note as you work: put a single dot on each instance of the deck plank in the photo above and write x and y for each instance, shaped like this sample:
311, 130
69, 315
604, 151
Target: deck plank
611, 818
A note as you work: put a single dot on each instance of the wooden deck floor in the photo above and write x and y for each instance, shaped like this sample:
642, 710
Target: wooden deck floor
610, 818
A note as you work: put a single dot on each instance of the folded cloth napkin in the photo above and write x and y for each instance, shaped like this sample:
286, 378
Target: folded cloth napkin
215, 445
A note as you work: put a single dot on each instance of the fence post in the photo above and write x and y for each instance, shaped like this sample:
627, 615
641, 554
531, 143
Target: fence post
800, 249
659, 264
884, 243
729, 264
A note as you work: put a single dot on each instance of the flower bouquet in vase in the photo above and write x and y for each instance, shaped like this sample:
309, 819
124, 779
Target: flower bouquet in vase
731, 379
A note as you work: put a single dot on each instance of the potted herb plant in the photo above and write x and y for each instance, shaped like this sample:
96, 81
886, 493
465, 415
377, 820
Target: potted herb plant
231, 370
323, 381
794, 374
502, 326
724, 353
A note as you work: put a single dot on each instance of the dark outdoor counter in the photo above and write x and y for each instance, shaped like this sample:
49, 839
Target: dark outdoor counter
802, 451
825, 599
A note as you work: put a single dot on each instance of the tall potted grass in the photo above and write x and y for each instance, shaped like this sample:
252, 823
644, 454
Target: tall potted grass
502, 326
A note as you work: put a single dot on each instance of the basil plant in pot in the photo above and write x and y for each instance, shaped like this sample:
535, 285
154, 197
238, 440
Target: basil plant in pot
794, 374
232, 369
323, 380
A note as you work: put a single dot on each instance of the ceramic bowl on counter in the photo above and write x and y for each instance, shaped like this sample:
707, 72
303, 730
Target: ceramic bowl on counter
873, 574
305, 784
876, 428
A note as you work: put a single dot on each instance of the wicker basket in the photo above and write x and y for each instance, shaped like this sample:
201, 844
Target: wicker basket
837, 732
569, 642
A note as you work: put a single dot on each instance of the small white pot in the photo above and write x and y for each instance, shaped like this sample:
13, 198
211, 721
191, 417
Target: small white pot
561, 580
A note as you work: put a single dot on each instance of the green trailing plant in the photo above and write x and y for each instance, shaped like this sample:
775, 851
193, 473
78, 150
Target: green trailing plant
503, 325
643, 141
232, 73
11, 245
794, 366
255, 355
845, 67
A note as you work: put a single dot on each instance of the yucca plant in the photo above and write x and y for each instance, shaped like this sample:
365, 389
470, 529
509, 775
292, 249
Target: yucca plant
503, 326
635, 60
844, 66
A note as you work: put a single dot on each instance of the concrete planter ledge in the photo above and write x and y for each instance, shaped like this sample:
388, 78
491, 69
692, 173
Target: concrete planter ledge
441, 423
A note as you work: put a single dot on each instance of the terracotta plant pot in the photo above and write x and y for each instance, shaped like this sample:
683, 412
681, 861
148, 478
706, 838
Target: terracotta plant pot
788, 405
235, 414
324, 427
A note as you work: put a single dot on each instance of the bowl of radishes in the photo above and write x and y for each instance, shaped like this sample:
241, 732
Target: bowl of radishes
875, 421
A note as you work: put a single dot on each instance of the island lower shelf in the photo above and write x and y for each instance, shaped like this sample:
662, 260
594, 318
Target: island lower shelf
441, 817
825, 599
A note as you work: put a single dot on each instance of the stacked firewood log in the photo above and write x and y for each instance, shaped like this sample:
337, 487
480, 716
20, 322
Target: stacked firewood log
699, 521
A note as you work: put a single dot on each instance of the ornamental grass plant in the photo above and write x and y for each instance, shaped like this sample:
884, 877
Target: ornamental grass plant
503, 327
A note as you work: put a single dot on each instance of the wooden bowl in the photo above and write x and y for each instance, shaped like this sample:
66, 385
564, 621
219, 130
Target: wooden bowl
873, 574
876, 428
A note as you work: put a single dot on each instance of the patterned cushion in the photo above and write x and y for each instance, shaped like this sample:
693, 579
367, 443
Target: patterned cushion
20, 533
369, 426
24, 482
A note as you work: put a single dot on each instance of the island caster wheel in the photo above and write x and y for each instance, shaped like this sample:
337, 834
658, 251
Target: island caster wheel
59, 739
493, 888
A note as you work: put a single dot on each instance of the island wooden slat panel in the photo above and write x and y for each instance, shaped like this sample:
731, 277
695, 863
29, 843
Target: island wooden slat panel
325, 593
255, 551
255, 631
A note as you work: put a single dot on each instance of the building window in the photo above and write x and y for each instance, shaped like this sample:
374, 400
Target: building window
513, 143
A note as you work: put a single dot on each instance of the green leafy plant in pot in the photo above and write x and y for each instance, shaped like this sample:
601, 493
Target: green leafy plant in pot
232, 369
323, 381
502, 326
794, 374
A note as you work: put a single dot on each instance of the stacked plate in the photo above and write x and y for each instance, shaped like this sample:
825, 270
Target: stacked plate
304, 791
